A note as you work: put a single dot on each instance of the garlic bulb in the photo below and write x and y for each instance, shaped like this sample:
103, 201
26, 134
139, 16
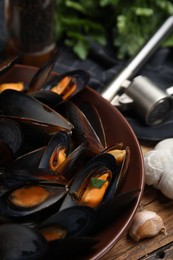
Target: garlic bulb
146, 224
158, 165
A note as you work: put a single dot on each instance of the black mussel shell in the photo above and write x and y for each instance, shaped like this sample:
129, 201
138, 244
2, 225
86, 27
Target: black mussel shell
69, 83
18, 242
98, 165
6, 64
73, 163
122, 157
16, 178
47, 97
30, 199
108, 211
11, 134
77, 221
28, 161
93, 117
41, 76
20, 105
56, 151
6, 154
83, 131
23, 136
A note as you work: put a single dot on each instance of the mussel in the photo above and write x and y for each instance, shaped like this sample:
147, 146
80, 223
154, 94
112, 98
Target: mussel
91, 184
21, 106
30, 198
41, 76
100, 179
83, 131
18, 242
69, 83
68, 232
47, 97
11, 134
56, 151
73, 221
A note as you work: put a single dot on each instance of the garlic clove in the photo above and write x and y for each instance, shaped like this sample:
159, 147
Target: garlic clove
146, 224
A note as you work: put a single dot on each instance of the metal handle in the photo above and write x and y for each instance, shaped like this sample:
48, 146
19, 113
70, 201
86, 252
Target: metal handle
135, 64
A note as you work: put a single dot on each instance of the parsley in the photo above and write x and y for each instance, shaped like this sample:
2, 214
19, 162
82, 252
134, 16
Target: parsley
127, 24
97, 183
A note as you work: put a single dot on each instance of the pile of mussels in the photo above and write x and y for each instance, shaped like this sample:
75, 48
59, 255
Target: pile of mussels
59, 182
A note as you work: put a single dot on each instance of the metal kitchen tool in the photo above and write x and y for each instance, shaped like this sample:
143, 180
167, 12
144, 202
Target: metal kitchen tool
152, 103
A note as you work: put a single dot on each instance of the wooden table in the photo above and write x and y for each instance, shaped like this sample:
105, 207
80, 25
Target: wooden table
158, 247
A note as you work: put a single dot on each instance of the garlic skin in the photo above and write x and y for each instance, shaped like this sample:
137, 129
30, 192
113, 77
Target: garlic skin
146, 224
158, 167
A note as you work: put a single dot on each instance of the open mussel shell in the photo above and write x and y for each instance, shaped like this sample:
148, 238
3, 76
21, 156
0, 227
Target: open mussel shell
56, 151
30, 199
93, 117
73, 163
68, 231
20, 105
22, 137
16, 178
47, 97
41, 76
100, 175
83, 130
61, 157
29, 160
69, 83
11, 134
76, 221
18, 242
122, 157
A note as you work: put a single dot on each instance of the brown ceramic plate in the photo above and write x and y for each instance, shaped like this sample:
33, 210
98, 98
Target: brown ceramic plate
117, 130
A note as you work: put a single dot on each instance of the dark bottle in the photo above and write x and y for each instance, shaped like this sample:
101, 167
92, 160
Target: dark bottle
30, 26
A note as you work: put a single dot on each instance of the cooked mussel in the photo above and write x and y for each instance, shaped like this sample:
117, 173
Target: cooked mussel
68, 230
14, 178
68, 83
21, 106
73, 221
122, 157
93, 182
41, 76
22, 137
28, 161
29, 199
18, 242
83, 130
47, 97
56, 151
62, 157
93, 116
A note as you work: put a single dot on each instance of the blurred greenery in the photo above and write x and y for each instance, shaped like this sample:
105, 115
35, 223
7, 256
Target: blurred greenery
127, 25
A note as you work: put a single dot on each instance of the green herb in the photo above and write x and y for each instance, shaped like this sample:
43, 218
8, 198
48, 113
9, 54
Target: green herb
127, 24
97, 183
